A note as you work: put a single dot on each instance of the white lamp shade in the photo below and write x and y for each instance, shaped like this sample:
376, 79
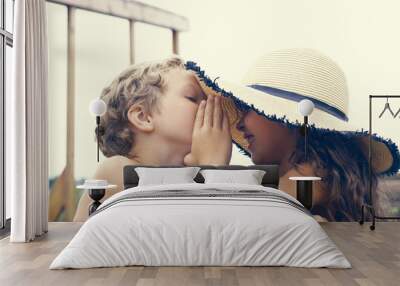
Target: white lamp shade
97, 107
306, 107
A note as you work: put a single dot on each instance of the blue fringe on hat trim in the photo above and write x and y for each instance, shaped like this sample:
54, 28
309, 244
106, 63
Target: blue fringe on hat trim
394, 150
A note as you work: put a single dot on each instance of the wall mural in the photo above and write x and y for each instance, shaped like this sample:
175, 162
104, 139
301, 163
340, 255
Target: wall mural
171, 112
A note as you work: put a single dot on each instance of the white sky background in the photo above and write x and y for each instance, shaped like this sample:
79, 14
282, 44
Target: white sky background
225, 37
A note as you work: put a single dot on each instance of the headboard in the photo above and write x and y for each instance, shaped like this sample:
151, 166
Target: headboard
270, 179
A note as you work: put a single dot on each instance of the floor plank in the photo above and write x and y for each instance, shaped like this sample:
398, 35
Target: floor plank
374, 255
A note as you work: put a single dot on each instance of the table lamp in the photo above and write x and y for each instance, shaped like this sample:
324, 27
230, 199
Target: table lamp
306, 107
97, 107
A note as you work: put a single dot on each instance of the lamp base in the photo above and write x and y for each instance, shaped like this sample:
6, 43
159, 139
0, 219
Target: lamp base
96, 195
304, 193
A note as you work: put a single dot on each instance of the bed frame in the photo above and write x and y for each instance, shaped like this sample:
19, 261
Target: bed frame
270, 179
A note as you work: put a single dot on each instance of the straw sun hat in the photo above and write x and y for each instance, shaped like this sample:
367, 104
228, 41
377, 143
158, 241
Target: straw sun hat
278, 81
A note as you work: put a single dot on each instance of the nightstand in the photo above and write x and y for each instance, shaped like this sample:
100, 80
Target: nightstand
96, 193
304, 191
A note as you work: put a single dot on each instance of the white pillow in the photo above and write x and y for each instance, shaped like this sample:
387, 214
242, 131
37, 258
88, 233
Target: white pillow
162, 176
248, 177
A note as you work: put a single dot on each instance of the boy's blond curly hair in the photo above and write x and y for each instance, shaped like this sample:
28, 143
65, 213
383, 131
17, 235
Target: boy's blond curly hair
139, 84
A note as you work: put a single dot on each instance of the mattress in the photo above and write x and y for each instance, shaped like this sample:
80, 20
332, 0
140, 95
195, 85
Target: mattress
201, 225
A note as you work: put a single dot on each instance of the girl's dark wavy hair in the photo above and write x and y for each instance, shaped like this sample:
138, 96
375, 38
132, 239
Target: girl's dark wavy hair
340, 161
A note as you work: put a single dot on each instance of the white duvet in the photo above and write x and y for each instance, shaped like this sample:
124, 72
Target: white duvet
185, 230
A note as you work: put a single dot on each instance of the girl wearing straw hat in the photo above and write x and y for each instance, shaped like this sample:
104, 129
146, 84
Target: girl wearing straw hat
265, 124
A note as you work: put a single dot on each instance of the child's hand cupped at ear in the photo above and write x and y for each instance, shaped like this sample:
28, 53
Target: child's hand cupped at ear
211, 140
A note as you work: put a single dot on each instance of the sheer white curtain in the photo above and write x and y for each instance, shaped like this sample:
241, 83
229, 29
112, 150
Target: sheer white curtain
26, 124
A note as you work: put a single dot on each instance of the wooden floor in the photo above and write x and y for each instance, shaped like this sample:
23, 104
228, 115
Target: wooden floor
375, 257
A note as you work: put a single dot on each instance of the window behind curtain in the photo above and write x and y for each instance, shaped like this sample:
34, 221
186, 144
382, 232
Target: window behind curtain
6, 43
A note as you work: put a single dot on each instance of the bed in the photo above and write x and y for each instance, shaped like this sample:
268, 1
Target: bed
199, 224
